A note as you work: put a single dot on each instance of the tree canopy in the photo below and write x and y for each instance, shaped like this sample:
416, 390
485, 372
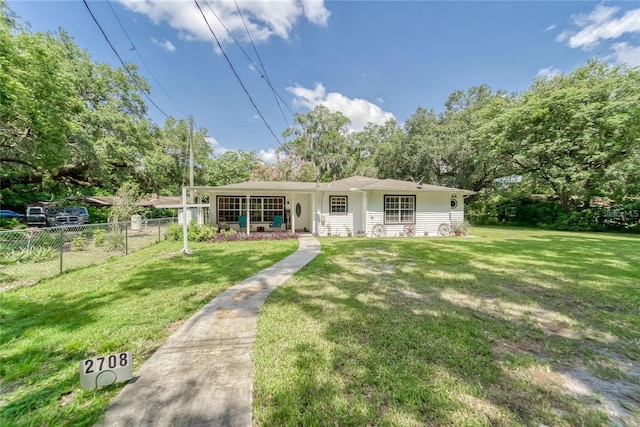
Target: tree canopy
71, 126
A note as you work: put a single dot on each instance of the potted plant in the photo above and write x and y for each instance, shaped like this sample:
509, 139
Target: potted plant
459, 227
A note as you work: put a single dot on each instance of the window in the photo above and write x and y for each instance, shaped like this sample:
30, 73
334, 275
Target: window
399, 209
230, 207
261, 209
271, 206
338, 204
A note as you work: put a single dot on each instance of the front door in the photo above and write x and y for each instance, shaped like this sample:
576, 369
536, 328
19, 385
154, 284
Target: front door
300, 212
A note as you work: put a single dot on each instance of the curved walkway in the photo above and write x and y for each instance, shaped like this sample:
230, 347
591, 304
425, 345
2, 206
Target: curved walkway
203, 374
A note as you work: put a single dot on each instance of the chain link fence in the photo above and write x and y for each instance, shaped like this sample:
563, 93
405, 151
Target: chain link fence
30, 255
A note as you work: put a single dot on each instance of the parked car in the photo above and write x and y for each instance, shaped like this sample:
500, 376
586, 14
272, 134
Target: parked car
36, 216
83, 213
59, 216
7, 214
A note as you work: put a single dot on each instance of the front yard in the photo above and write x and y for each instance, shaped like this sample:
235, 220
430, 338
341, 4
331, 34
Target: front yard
512, 327
129, 303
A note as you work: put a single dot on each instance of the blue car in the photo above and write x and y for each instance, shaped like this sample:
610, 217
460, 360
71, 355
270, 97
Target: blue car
6, 214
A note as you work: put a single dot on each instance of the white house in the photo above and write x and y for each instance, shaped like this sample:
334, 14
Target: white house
350, 205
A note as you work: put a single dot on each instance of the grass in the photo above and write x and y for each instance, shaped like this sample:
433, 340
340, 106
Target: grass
129, 303
511, 327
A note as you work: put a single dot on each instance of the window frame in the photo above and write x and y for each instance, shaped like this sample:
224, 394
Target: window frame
345, 205
399, 210
258, 206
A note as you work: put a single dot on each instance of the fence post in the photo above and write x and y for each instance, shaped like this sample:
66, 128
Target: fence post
158, 221
61, 247
126, 238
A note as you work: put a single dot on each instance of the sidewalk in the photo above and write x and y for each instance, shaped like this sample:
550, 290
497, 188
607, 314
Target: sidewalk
203, 374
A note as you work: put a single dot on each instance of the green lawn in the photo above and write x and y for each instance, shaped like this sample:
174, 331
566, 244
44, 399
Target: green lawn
510, 327
130, 303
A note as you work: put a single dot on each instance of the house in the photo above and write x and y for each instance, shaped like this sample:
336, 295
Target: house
351, 205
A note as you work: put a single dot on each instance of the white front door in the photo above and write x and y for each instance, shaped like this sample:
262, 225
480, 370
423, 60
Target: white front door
301, 212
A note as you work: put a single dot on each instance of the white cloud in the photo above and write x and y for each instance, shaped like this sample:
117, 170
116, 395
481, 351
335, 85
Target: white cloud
624, 53
216, 147
550, 27
549, 72
315, 11
265, 19
359, 111
268, 156
601, 24
167, 45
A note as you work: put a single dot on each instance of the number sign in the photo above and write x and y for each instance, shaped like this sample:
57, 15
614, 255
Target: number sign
106, 370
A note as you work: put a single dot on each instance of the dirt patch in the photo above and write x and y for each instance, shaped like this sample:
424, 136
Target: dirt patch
619, 399
226, 313
248, 293
66, 398
549, 321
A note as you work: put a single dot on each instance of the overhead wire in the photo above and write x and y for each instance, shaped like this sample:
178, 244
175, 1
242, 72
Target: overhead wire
135, 49
235, 72
124, 65
264, 70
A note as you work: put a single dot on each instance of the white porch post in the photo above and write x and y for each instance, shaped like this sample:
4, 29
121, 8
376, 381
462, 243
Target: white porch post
247, 198
293, 213
314, 220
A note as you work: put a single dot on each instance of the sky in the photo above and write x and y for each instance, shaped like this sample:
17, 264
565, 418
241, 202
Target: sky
371, 60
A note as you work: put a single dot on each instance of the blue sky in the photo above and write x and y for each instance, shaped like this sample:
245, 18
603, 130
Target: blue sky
372, 60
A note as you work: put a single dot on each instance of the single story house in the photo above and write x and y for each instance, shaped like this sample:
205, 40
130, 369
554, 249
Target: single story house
355, 205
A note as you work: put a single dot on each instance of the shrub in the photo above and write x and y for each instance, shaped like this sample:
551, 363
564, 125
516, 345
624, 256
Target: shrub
114, 241
11, 224
79, 243
174, 232
27, 255
98, 237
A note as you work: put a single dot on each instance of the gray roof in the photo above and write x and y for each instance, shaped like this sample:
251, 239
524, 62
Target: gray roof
354, 183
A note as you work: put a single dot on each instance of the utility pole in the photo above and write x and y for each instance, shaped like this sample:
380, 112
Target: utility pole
191, 158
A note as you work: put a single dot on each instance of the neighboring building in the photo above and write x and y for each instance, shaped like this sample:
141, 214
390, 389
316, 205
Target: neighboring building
354, 205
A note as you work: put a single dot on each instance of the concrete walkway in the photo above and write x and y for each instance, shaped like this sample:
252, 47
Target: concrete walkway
203, 374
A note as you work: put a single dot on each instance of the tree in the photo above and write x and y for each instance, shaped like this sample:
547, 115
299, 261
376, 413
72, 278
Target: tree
320, 138
231, 167
284, 169
38, 99
164, 167
68, 124
368, 145
125, 203
579, 133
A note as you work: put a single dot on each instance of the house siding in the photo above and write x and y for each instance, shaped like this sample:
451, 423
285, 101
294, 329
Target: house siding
339, 222
432, 209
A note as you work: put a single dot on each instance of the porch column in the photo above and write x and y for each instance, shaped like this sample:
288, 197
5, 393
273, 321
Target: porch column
314, 222
292, 212
247, 198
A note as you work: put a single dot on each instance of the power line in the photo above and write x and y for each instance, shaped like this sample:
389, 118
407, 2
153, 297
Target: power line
235, 72
135, 49
264, 70
260, 69
121, 61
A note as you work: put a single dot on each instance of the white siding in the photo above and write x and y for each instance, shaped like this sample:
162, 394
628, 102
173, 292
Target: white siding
432, 209
340, 222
